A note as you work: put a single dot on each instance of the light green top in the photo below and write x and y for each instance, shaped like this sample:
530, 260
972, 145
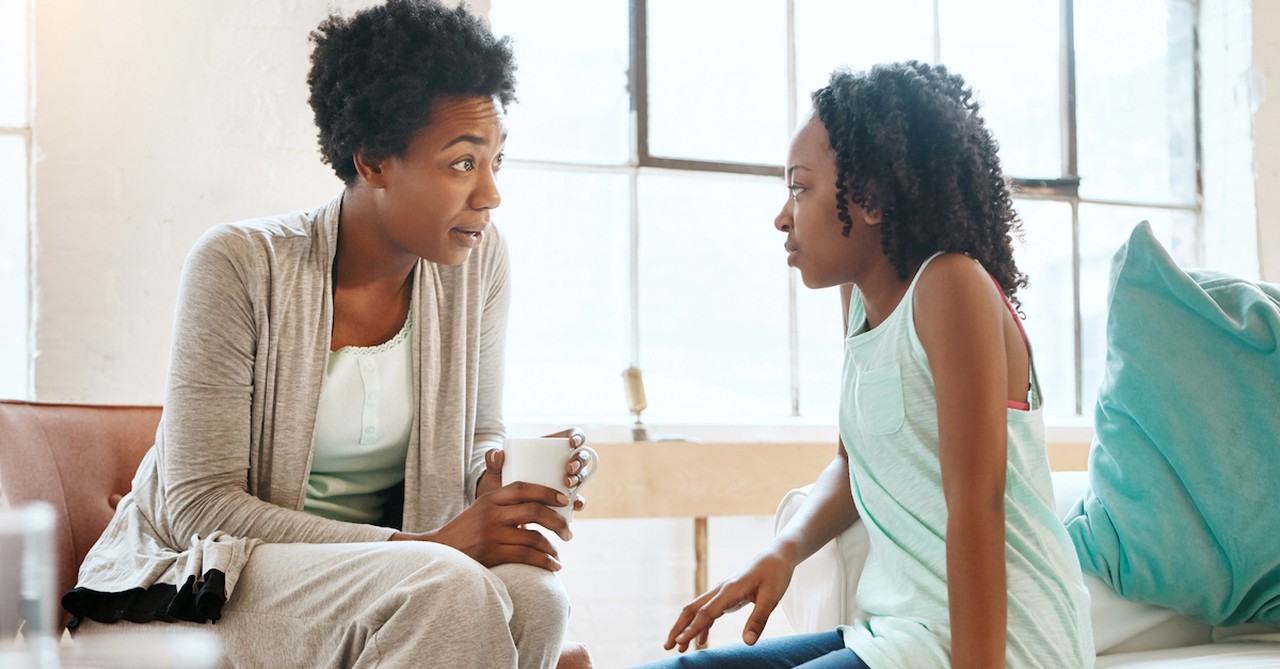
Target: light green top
889, 424
362, 430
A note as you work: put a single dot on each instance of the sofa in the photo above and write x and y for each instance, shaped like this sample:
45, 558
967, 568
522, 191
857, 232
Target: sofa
78, 458
1127, 634
81, 458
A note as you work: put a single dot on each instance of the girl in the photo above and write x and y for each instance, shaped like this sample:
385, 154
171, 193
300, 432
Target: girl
897, 196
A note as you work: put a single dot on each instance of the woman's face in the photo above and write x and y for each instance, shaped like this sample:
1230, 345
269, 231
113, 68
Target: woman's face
815, 243
435, 199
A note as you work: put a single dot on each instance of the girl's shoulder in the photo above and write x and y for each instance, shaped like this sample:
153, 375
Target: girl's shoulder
951, 290
949, 276
951, 264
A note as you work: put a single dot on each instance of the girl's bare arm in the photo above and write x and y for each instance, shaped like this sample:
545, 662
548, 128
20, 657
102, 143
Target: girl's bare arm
959, 318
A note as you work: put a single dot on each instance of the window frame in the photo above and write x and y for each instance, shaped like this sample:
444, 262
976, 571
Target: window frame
1065, 188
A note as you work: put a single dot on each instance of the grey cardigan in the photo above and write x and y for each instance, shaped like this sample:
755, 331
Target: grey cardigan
233, 451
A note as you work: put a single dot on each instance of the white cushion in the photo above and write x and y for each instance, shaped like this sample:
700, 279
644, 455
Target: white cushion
1234, 655
821, 594
1121, 625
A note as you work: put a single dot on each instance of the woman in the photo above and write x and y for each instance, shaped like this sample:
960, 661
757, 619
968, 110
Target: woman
335, 383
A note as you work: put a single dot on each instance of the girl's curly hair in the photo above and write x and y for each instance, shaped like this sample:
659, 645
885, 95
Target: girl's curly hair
909, 141
375, 75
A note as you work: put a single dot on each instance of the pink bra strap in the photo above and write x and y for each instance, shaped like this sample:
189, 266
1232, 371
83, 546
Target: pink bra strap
1016, 320
1020, 406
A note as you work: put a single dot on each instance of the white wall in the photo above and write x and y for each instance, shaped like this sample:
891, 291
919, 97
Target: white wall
155, 121
1266, 134
1226, 121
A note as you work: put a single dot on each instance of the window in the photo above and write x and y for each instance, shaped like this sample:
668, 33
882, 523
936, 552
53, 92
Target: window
644, 172
15, 189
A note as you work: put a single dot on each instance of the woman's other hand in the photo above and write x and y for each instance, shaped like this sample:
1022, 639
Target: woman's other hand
762, 582
492, 530
491, 479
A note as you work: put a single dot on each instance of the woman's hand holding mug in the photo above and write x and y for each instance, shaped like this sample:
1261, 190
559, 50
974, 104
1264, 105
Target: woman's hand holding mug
560, 461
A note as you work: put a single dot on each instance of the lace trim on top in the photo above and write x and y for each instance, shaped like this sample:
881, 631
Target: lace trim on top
384, 346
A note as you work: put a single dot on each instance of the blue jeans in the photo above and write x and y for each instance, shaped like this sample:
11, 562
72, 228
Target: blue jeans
824, 650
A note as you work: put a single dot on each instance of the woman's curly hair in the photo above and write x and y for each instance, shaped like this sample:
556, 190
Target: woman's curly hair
909, 141
375, 75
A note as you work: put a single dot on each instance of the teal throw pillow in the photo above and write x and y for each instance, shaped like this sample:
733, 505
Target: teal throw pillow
1183, 509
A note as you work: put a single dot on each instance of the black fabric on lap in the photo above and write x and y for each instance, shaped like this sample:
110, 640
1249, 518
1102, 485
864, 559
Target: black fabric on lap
196, 602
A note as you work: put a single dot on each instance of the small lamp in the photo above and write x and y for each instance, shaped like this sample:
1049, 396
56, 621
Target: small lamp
635, 401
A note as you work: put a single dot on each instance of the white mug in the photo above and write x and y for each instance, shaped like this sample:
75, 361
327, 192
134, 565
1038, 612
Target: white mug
542, 460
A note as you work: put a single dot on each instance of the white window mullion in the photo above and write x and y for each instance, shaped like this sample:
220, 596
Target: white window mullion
793, 117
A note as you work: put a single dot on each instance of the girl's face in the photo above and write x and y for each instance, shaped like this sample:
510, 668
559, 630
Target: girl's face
815, 243
436, 197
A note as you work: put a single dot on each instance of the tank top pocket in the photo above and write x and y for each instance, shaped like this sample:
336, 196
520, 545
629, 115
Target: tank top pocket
879, 398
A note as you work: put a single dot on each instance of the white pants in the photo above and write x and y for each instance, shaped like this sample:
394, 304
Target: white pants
388, 604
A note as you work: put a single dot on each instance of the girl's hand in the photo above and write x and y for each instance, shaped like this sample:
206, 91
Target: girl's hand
763, 582
491, 530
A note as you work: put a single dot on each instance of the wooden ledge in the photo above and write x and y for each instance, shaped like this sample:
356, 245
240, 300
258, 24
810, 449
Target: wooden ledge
661, 479
680, 479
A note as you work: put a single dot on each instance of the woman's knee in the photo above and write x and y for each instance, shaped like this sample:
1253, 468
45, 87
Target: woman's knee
534, 589
446, 577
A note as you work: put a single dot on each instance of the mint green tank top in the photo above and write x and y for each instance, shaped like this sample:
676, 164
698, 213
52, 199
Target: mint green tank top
889, 424
363, 424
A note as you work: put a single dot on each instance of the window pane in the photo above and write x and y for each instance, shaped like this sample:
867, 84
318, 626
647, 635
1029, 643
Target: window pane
13, 63
1012, 65
573, 103
903, 30
1139, 52
820, 329
567, 234
14, 273
718, 93
713, 298
1103, 229
1045, 257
